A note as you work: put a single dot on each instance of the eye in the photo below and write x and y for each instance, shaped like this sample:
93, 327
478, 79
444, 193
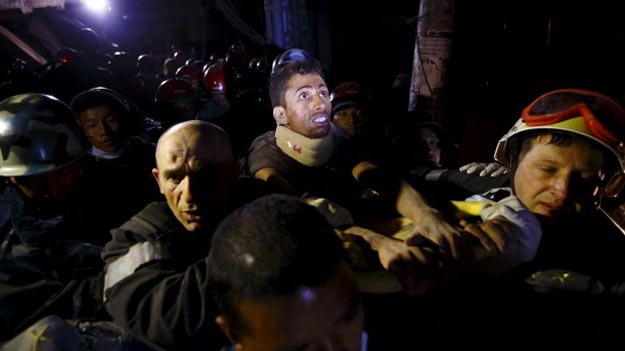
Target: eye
112, 119
324, 94
175, 178
548, 170
304, 96
352, 312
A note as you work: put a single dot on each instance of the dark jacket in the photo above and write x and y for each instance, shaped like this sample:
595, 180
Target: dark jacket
48, 266
157, 282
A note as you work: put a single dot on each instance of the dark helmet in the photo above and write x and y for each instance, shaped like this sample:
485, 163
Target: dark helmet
348, 94
253, 62
170, 66
95, 96
237, 58
172, 88
181, 57
38, 134
290, 55
87, 39
259, 65
146, 63
219, 77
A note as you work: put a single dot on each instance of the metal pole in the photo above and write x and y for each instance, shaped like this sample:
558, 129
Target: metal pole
431, 56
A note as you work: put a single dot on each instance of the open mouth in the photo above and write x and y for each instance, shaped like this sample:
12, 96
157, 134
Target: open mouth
321, 120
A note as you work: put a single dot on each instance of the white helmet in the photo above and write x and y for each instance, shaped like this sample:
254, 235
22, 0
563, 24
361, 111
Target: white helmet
589, 114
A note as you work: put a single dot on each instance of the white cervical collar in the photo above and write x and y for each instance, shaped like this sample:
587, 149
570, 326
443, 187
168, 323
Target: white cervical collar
309, 152
107, 155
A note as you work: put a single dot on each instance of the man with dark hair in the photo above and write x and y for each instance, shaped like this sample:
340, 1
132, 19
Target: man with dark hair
50, 250
281, 280
303, 158
50, 266
119, 161
156, 281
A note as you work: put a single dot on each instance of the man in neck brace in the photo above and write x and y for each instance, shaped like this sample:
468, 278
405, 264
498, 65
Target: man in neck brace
303, 158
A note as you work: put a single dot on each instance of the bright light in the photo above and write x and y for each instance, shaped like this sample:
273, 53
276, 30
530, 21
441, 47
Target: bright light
4, 126
98, 6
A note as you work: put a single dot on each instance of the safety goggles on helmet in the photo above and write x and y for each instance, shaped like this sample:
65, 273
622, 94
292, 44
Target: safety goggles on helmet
603, 116
582, 112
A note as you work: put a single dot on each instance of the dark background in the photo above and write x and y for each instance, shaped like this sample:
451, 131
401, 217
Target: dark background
504, 54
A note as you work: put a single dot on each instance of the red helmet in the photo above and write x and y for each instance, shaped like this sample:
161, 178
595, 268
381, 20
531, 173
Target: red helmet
172, 88
348, 94
214, 57
190, 73
218, 78
66, 54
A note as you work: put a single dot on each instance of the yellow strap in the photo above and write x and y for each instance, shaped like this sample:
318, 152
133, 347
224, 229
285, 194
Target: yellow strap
465, 209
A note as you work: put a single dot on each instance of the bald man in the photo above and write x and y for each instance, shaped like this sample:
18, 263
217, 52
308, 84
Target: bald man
156, 281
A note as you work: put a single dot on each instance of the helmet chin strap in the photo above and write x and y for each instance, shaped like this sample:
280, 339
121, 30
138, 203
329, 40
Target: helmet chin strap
307, 151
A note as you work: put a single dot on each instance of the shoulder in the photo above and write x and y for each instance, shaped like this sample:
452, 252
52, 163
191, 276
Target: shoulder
156, 218
265, 153
266, 140
148, 225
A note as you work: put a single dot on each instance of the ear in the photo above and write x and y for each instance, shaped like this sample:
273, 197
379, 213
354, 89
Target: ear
279, 114
158, 181
225, 328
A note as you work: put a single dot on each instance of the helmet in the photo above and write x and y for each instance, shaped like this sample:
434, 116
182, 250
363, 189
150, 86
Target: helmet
237, 58
253, 62
66, 54
94, 96
586, 113
288, 56
214, 58
38, 134
172, 88
170, 66
348, 94
87, 40
146, 63
258, 65
181, 57
189, 73
218, 78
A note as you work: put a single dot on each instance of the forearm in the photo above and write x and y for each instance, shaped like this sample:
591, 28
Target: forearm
411, 204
